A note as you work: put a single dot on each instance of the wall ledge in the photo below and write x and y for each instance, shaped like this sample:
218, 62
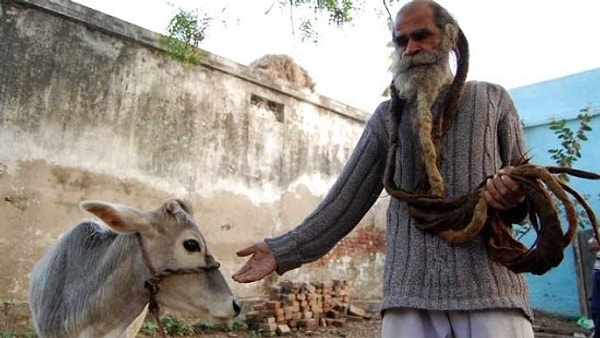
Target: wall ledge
128, 31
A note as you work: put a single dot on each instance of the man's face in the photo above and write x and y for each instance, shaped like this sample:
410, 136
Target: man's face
415, 30
420, 61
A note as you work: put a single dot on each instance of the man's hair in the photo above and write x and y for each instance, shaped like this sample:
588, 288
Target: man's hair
452, 97
443, 18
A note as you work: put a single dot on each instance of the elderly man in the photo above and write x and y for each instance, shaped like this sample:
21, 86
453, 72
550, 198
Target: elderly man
440, 136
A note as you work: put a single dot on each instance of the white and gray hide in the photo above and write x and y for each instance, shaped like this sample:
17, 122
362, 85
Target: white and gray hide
92, 282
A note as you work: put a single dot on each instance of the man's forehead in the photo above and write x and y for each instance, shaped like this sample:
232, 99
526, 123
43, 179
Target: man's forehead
418, 13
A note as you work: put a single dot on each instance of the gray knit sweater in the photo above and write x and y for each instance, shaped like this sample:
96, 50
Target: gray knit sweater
422, 271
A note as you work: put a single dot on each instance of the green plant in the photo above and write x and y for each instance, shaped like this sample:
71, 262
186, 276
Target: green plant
206, 325
149, 327
255, 334
570, 150
27, 333
177, 327
238, 323
30, 333
566, 155
184, 33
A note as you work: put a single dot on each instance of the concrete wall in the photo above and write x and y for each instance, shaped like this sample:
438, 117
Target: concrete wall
91, 109
560, 290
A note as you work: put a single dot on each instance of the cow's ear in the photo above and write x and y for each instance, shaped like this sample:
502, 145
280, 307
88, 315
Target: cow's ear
118, 217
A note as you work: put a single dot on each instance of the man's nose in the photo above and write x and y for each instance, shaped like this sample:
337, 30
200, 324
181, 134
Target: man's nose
412, 48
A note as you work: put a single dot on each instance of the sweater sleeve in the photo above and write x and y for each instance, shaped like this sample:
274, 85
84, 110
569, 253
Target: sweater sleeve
510, 132
512, 147
356, 189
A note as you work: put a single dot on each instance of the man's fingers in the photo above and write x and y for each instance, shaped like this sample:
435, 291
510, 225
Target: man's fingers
489, 198
502, 192
249, 276
510, 185
258, 266
247, 251
242, 270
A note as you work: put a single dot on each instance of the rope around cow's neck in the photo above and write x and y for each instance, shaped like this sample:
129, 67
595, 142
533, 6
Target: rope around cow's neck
152, 283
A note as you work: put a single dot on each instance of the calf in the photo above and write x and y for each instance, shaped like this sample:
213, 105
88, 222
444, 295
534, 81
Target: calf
95, 281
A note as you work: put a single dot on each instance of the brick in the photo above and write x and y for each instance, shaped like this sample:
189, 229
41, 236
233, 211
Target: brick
310, 324
334, 314
357, 311
267, 327
339, 322
309, 288
272, 304
283, 330
353, 318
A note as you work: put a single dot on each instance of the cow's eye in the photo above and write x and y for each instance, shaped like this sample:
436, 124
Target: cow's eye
191, 245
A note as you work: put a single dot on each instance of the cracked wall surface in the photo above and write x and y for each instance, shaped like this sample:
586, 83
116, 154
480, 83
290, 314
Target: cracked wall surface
90, 108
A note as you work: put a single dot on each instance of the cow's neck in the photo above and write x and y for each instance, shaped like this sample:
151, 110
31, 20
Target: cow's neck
121, 296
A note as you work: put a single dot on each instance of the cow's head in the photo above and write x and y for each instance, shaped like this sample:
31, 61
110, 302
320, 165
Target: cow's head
189, 278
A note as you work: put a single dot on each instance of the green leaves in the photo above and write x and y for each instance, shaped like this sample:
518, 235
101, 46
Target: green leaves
185, 32
570, 150
339, 11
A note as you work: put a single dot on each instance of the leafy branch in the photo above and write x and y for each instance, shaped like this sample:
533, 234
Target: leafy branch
339, 13
570, 150
184, 33
566, 155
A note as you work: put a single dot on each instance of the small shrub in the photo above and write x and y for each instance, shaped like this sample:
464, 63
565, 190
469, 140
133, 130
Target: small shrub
238, 323
566, 155
177, 327
149, 327
184, 33
570, 150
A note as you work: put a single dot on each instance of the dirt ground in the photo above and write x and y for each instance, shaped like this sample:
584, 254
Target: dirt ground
15, 322
545, 326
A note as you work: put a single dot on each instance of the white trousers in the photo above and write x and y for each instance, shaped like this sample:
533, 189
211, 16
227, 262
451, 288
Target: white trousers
415, 323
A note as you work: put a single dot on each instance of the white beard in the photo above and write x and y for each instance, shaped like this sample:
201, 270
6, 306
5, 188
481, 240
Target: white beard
423, 73
419, 79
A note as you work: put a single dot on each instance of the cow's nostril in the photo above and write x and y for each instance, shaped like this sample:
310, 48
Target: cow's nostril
237, 307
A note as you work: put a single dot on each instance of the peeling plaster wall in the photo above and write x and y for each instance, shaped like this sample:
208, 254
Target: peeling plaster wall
91, 109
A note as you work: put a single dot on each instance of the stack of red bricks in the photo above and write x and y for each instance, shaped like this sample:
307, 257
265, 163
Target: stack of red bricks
304, 306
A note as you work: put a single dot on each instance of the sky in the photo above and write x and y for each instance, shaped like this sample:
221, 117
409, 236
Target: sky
512, 42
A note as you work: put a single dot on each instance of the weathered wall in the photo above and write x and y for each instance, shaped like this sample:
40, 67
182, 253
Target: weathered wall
90, 109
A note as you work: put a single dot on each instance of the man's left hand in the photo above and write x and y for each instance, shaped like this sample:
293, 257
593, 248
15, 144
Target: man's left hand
502, 192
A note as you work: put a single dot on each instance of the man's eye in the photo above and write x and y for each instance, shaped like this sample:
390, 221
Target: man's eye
400, 41
420, 35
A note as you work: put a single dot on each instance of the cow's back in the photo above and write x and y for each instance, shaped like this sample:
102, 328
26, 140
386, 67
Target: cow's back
60, 283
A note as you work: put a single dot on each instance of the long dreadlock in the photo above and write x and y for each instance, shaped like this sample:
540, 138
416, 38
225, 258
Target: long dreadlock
459, 219
442, 121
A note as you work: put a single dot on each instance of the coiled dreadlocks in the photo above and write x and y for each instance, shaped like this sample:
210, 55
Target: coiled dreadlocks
460, 219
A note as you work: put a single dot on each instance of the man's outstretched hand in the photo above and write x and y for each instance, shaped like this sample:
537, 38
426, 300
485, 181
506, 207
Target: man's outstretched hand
261, 264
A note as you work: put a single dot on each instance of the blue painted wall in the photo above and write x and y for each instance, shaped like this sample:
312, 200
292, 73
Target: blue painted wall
556, 291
